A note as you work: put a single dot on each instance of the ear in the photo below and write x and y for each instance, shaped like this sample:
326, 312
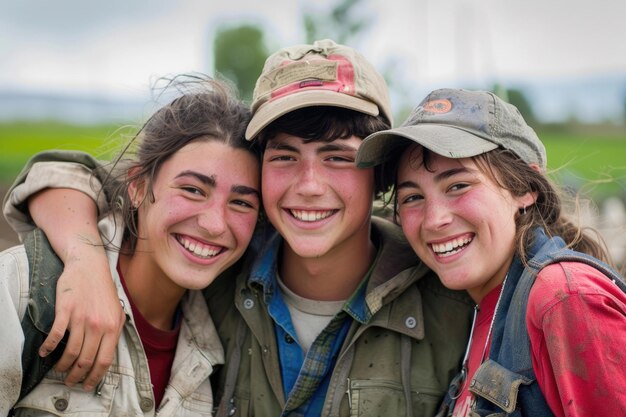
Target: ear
529, 198
136, 188
526, 200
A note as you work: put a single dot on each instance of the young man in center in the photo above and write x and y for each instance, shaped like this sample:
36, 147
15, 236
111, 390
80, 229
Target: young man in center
331, 313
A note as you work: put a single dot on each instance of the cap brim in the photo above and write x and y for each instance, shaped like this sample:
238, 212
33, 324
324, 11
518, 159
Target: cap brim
447, 141
273, 109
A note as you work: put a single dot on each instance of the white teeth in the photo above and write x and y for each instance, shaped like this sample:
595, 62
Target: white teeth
197, 249
311, 215
451, 247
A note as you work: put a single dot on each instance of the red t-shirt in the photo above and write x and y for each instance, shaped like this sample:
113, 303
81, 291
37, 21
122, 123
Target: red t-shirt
160, 348
486, 309
576, 320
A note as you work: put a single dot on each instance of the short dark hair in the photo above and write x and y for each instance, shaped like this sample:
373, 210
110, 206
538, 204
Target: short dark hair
325, 124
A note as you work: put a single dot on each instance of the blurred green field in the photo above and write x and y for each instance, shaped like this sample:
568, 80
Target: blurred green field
579, 158
595, 163
20, 140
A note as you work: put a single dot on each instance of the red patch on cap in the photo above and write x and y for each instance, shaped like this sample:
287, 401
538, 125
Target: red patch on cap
311, 83
340, 80
438, 106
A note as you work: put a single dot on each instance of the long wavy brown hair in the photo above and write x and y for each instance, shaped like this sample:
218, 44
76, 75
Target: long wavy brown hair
511, 173
205, 109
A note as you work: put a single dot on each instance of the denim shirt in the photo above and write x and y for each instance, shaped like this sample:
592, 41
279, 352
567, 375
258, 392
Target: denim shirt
305, 378
506, 384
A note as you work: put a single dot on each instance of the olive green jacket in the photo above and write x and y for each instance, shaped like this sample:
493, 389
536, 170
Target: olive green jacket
407, 352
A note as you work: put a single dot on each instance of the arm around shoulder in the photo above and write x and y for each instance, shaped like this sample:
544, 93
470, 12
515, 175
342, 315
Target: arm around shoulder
87, 304
52, 169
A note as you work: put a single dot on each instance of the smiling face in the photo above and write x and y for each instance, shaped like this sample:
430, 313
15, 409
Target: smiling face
206, 202
458, 221
315, 196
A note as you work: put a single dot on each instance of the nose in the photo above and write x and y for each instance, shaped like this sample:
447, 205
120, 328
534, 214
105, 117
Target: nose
310, 181
212, 219
437, 214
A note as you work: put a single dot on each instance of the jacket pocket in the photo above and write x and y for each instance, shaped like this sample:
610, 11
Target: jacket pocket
371, 397
52, 397
196, 405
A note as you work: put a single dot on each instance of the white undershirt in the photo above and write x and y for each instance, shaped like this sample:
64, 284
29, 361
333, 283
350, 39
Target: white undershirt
309, 317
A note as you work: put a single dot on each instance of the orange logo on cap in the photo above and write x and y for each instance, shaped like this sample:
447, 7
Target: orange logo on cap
438, 106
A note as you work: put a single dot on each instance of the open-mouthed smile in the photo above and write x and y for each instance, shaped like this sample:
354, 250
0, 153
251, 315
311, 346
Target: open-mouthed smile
451, 247
311, 215
199, 249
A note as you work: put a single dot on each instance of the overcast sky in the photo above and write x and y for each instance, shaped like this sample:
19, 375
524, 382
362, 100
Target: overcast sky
118, 47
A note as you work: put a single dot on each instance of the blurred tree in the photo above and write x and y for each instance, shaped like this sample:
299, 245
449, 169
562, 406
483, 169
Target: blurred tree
240, 52
519, 100
516, 97
342, 23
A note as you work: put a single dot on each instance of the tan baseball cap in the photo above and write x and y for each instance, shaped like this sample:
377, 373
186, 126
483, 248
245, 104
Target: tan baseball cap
458, 124
322, 74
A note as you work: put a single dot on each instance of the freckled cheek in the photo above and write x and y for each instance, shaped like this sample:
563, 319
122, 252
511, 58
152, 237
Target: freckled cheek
409, 231
272, 189
243, 227
179, 212
347, 182
410, 227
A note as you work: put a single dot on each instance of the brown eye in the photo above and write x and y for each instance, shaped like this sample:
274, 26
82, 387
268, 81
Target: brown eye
243, 203
192, 190
410, 198
458, 186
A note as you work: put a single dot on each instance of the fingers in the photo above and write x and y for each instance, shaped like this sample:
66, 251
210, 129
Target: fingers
90, 351
71, 352
82, 365
57, 332
104, 359
87, 305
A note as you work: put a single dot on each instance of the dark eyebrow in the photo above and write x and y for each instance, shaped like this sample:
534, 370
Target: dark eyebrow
245, 190
406, 184
205, 179
329, 147
281, 146
439, 177
450, 173
336, 146
211, 182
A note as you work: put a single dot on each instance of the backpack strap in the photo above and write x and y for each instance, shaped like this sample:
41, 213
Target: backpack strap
517, 317
45, 269
521, 370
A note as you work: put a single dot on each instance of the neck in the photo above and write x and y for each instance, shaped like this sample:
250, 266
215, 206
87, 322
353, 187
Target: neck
332, 277
156, 298
478, 293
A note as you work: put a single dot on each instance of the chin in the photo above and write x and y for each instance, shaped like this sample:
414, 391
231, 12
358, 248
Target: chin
452, 280
309, 253
197, 278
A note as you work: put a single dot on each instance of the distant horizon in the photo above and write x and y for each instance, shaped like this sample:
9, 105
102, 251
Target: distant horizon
565, 55
590, 99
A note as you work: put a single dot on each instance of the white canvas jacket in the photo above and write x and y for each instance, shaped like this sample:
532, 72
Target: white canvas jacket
126, 389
